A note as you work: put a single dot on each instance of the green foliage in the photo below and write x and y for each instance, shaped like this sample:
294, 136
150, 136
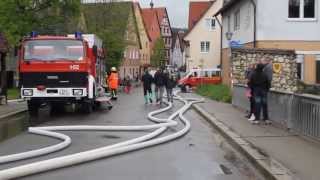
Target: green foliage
19, 17
216, 92
13, 93
159, 54
109, 21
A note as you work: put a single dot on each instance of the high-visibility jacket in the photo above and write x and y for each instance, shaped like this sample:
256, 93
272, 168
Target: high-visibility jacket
113, 80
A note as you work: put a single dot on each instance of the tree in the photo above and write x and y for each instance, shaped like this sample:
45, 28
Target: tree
159, 54
109, 21
19, 17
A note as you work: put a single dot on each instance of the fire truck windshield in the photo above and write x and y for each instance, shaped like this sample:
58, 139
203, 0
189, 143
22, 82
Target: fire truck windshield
53, 50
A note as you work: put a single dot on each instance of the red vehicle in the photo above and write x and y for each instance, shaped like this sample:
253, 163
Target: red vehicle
200, 76
57, 70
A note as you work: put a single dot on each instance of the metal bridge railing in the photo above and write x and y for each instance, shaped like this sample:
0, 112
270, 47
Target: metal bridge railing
299, 113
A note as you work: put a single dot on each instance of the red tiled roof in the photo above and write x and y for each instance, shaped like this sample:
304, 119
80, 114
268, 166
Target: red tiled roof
196, 11
161, 12
152, 24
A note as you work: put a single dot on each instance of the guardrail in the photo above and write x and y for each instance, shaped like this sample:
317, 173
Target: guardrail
299, 113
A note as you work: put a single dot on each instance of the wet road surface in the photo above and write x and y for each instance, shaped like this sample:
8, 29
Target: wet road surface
196, 156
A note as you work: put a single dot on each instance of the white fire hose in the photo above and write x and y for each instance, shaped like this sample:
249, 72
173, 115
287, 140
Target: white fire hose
107, 151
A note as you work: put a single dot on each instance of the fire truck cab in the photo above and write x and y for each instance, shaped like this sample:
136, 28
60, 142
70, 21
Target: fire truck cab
58, 70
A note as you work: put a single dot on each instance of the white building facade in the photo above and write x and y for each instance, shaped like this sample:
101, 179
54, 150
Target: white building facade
204, 39
278, 24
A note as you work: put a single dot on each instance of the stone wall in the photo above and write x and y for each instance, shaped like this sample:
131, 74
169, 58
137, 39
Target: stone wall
284, 65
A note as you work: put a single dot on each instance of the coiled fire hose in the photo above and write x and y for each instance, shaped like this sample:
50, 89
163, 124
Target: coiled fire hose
103, 152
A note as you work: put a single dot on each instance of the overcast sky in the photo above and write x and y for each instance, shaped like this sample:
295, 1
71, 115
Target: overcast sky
178, 10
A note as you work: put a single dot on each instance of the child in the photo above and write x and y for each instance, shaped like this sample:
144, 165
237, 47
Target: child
127, 85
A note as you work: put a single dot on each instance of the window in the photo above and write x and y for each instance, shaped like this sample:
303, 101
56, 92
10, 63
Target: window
125, 53
205, 46
309, 9
210, 23
54, 50
237, 20
127, 35
131, 54
294, 8
301, 9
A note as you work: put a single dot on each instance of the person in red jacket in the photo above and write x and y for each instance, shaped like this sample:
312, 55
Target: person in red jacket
113, 82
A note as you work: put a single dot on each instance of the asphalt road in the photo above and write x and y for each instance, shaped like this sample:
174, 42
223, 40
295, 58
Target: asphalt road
196, 156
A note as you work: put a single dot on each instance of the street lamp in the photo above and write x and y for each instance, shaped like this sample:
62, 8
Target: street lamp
229, 38
229, 35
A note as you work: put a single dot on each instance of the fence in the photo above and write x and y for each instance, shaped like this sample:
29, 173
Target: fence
299, 113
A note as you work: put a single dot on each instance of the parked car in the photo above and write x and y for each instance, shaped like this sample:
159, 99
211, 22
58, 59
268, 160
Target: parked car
197, 77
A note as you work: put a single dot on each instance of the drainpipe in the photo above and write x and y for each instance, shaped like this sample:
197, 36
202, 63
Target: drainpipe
221, 39
254, 23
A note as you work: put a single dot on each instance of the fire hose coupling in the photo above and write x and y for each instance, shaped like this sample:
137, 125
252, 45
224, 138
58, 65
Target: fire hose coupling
145, 141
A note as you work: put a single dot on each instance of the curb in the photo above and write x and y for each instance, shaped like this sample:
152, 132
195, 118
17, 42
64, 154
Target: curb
268, 166
15, 100
12, 124
14, 113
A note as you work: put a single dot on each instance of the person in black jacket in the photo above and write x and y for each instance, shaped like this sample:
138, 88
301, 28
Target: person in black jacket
147, 81
160, 82
170, 84
260, 84
249, 92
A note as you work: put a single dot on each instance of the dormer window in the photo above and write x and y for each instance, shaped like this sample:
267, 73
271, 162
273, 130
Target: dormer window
302, 9
210, 23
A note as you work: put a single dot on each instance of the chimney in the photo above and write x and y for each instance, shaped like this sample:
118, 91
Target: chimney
151, 4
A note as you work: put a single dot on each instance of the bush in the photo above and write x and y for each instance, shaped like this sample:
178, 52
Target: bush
219, 92
13, 93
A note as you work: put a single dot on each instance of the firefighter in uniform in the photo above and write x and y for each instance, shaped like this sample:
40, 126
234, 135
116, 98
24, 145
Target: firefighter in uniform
113, 83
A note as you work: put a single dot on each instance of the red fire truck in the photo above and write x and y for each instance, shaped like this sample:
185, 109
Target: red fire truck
58, 70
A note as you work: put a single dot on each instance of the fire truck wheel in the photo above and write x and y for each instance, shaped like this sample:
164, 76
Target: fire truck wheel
33, 108
87, 107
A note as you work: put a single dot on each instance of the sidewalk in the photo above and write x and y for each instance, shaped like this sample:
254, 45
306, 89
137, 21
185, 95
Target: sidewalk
11, 108
301, 156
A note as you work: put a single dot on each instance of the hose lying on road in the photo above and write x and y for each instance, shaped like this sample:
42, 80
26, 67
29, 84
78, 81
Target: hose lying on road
126, 146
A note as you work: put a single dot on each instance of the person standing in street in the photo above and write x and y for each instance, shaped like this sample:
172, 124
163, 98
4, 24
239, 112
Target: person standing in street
113, 83
170, 84
127, 84
160, 82
260, 84
137, 77
268, 70
147, 81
